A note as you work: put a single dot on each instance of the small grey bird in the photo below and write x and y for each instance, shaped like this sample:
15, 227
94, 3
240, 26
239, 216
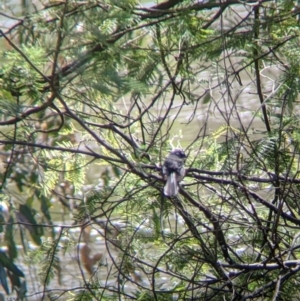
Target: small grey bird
173, 171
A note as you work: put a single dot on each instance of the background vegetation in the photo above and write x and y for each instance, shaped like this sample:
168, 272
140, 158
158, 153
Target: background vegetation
93, 96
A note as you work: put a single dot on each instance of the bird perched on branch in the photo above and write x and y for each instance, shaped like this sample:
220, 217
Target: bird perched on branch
173, 171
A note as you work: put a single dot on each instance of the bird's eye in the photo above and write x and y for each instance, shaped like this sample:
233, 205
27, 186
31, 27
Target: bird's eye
181, 154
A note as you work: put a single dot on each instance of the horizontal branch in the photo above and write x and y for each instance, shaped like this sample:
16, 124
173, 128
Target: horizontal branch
28, 113
167, 7
252, 194
272, 176
271, 284
62, 149
261, 266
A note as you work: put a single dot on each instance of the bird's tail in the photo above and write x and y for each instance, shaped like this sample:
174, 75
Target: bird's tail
171, 188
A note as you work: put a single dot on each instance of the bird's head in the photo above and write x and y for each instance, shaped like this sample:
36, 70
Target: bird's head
179, 153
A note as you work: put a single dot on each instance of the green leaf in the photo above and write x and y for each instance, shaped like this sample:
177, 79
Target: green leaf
3, 279
26, 216
9, 239
7, 263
